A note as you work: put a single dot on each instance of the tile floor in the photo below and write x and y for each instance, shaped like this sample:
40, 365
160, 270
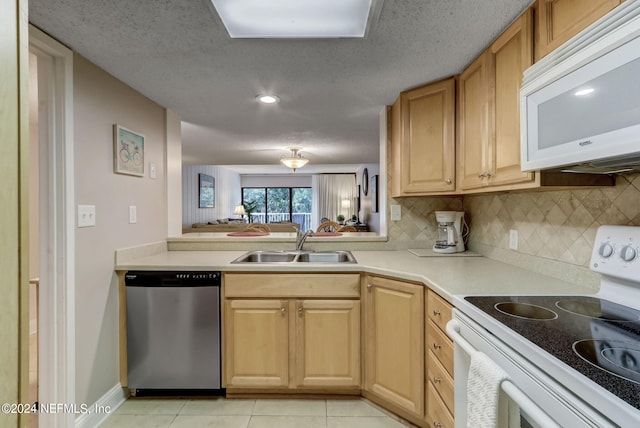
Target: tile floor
244, 413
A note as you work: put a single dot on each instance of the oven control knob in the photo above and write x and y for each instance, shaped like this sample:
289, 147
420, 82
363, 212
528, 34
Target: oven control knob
606, 250
628, 253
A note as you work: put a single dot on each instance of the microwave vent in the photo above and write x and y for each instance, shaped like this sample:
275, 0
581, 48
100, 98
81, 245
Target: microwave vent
621, 165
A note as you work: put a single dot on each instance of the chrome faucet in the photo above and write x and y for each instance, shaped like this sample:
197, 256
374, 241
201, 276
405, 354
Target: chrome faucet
301, 237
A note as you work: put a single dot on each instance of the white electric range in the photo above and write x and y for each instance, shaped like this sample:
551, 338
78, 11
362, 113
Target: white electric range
572, 361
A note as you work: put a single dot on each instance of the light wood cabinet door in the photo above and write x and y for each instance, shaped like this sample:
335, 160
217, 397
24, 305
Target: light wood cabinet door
511, 54
428, 138
489, 111
559, 20
256, 343
394, 358
327, 343
474, 86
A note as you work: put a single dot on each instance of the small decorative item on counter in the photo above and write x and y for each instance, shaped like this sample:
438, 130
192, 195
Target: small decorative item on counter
340, 219
353, 221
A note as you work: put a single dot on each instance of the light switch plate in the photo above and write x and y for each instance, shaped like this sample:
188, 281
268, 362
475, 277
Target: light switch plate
396, 213
133, 214
86, 215
153, 172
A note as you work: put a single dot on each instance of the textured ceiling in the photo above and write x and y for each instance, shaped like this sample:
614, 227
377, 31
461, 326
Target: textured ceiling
178, 53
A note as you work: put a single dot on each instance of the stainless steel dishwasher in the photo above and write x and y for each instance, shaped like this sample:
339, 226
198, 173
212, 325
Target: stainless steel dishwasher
173, 333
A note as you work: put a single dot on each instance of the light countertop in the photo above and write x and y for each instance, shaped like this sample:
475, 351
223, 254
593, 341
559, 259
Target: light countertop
448, 276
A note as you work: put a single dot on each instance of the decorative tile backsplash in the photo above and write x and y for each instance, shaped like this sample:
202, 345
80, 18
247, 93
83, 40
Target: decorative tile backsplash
552, 225
556, 225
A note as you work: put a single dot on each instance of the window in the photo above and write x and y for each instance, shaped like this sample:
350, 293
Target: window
277, 204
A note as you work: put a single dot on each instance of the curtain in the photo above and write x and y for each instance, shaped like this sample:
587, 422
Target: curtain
333, 194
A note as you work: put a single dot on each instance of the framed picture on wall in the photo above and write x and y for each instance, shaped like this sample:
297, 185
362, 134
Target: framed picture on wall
207, 191
128, 151
374, 194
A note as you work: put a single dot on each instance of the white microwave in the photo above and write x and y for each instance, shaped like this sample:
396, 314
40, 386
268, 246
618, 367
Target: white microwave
580, 105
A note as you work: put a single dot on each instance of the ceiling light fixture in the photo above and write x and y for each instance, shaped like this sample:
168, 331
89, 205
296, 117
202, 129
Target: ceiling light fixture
268, 99
295, 160
297, 18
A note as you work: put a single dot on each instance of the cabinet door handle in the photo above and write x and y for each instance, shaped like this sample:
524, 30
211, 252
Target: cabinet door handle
437, 346
437, 424
369, 287
448, 181
300, 310
283, 311
436, 379
436, 313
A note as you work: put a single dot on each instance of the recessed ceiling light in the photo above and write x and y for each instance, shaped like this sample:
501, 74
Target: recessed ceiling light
268, 99
296, 18
583, 92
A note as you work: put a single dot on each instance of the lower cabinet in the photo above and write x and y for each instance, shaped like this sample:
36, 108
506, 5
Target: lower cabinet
394, 344
327, 343
302, 333
303, 340
256, 343
439, 355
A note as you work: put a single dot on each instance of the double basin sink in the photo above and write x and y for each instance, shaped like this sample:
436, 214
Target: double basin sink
260, 257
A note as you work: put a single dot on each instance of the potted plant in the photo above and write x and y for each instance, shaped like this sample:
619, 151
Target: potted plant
353, 221
340, 219
249, 207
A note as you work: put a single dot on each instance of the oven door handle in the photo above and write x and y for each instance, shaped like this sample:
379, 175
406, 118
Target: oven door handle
520, 398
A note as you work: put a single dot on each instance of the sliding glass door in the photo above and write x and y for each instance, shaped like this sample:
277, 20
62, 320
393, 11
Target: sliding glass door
279, 204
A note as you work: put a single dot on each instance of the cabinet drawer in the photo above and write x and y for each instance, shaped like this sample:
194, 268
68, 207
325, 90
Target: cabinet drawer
257, 285
439, 309
441, 380
437, 414
440, 345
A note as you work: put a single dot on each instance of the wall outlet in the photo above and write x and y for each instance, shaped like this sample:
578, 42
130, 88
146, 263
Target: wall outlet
513, 240
396, 213
86, 215
133, 214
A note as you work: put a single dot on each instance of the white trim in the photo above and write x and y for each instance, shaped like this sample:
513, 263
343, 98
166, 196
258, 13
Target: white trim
57, 273
382, 179
99, 411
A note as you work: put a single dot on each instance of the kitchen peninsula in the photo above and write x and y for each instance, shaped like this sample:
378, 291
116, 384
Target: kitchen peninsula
389, 308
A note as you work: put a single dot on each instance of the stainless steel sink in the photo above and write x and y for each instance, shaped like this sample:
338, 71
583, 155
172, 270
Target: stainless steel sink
261, 257
327, 257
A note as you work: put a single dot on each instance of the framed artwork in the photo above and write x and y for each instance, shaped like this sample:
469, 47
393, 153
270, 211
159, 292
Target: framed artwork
128, 151
207, 191
374, 194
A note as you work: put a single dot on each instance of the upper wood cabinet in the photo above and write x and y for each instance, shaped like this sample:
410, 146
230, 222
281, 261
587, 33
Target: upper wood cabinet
423, 140
474, 87
511, 54
488, 111
559, 20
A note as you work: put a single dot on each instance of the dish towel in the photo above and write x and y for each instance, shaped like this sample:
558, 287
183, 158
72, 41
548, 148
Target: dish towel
483, 392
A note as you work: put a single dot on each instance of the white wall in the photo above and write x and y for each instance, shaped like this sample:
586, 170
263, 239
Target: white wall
100, 100
174, 173
275, 180
228, 194
365, 214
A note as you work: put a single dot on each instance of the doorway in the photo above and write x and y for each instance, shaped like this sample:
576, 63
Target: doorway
51, 226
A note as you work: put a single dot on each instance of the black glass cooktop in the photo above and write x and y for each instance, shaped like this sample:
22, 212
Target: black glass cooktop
598, 338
